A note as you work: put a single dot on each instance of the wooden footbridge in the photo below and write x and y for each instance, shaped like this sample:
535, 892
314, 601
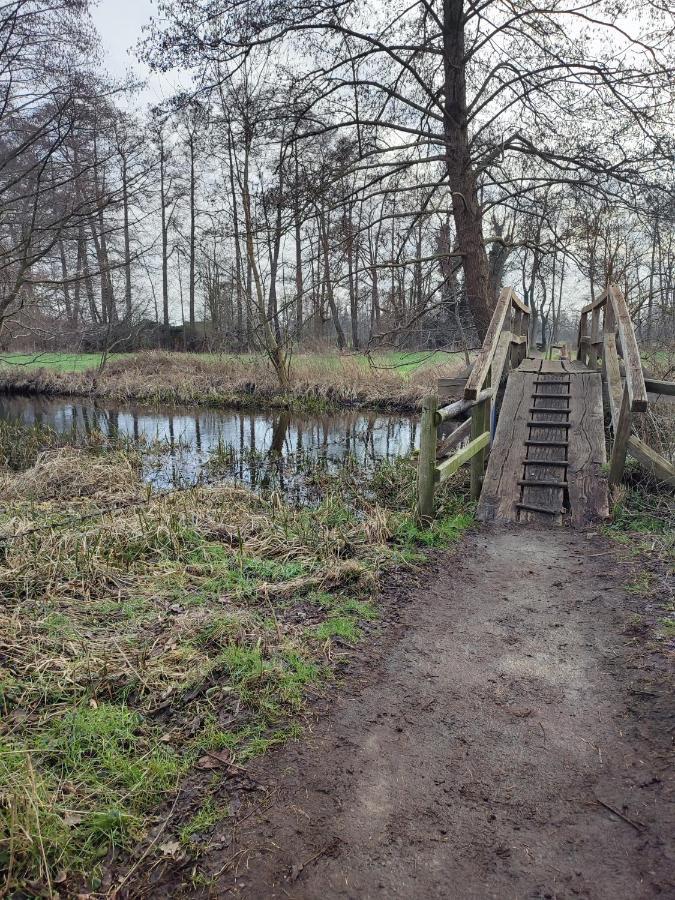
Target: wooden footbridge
537, 450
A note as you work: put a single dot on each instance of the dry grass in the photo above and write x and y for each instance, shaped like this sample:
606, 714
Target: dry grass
138, 632
160, 377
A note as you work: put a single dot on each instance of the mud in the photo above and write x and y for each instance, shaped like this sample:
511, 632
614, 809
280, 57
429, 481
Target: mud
510, 740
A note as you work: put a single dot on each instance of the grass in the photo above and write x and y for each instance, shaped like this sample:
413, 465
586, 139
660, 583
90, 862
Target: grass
643, 517
140, 633
386, 380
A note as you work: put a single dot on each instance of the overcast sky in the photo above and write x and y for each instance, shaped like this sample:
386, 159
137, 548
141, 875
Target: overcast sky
120, 24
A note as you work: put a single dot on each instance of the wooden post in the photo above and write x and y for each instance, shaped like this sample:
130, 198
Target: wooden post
426, 463
480, 422
621, 434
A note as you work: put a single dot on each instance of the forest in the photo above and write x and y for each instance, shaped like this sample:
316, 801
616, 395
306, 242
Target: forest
337, 449
318, 184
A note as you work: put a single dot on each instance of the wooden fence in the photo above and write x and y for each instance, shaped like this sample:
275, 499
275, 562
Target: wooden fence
505, 346
606, 341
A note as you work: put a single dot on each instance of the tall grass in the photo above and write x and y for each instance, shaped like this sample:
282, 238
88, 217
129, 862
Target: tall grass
141, 633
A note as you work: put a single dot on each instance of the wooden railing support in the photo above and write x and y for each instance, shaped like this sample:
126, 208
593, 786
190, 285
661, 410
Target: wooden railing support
480, 423
622, 428
506, 343
426, 464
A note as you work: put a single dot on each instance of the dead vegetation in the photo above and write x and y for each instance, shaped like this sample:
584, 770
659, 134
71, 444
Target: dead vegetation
140, 633
238, 381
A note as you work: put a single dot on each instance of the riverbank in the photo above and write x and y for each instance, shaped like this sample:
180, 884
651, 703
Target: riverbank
391, 381
152, 645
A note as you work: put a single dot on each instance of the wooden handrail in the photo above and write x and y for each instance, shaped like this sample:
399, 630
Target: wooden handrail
635, 381
507, 301
625, 398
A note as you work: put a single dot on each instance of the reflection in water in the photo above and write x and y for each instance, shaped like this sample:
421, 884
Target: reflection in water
267, 449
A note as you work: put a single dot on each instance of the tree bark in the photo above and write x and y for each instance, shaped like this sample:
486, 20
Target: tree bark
467, 213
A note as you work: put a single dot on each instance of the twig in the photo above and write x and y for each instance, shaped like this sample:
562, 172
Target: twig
638, 826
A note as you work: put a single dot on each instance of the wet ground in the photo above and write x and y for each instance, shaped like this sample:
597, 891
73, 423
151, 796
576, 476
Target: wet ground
510, 737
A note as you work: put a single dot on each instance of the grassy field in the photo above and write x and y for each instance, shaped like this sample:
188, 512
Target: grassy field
403, 362
152, 644
394, 381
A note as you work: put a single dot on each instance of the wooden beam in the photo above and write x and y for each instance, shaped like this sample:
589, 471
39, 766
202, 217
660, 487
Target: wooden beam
456, 437
617, 460
427, 460
481, 366
599, 301
651, 460
637, 392
452, 410
613, 373
660, 387
474, 447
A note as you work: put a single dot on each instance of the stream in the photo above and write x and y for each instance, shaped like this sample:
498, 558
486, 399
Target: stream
271, 449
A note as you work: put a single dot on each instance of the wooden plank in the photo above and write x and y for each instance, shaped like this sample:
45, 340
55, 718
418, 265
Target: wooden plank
637, 391
587, 453
481, 366
472, 449
452, 440
651, 460
552, 367
452, 410
427, 460
599, 301
660, 387
480, 423
501, 491
613, 374
530, 364
621, 429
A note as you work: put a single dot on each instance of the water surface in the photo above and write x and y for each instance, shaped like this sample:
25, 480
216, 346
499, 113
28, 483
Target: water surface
268, 449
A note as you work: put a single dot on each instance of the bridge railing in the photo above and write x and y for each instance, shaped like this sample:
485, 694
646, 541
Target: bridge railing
505, 346
606, 340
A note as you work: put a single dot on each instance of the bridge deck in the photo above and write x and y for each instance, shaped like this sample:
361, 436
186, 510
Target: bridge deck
549, 448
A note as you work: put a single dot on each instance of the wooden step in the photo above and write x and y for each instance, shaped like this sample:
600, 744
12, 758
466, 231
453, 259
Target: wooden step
550, 409
546, 462
544, 482
546, 443
551, 381
531, 507
550, 396
532, 424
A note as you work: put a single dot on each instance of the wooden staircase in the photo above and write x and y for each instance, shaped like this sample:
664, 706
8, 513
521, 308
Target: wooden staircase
546, 461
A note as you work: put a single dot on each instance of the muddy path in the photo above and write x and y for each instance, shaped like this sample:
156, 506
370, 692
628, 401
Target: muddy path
482, 754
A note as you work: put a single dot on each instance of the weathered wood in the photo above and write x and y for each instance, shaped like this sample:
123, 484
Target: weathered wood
654, 386
587, 453
452, 440
500, 488
480, 423
613, 375
548, 439
473, 449
452, 410
453, 386
637, 391
621, 434
427, 460
481, 367
651, 460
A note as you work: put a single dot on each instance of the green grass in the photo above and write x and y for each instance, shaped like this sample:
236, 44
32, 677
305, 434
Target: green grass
403, 362
59, 362
137, 641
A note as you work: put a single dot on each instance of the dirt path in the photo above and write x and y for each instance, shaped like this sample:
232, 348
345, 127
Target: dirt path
471, 762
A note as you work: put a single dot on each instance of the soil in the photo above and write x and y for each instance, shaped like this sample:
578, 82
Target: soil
510, 739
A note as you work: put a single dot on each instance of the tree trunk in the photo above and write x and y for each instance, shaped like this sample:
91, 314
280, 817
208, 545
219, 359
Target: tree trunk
193, 216
466, 209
